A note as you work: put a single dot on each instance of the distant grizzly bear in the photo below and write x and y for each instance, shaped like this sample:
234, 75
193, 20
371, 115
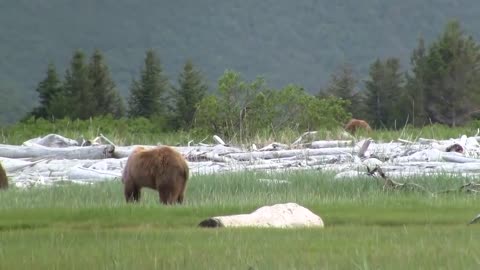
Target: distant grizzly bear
353, 125
161, 168
3, 178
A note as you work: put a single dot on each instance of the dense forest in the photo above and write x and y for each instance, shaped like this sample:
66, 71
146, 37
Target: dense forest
304, 46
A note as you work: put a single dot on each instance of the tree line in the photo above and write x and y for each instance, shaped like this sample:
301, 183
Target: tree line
442, 86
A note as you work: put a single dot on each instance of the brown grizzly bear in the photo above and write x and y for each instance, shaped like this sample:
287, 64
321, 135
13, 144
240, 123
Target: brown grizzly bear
161, 168
353, 125
3, 178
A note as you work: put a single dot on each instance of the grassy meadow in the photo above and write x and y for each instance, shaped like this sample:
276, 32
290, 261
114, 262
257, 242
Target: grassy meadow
142, 131
91, 227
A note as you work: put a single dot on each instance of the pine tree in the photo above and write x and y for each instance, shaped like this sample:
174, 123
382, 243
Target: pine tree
190, 92
77, 87
105, 95
415, 87
47, 89
147, 95
384, 93
343, 84
452, 77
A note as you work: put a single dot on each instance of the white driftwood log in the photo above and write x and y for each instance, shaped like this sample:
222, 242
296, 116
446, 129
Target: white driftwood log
51, 140
291, 153
329, 144
34, 164
91, 152
288, 215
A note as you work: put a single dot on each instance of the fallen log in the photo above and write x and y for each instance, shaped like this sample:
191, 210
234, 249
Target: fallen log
52, 140
329, 144
91, 152
291, 153
288, 215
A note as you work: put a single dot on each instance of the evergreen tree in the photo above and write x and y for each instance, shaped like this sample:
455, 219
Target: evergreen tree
47, 89
384, 92
77, 88
452, 77
190, 92
415, 87
343, 84
105, 95
147, 95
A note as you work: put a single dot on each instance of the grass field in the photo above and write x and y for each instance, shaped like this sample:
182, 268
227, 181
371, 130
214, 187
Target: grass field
90, 227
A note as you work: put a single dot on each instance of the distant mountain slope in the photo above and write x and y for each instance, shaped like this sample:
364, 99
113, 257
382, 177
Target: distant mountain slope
298, 42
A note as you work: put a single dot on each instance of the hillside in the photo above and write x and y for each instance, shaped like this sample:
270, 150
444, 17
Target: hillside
285, 41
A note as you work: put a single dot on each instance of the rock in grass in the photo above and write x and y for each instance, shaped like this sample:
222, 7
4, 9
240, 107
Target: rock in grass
288, 215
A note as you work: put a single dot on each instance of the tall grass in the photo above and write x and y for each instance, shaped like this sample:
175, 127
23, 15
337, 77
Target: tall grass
143, 131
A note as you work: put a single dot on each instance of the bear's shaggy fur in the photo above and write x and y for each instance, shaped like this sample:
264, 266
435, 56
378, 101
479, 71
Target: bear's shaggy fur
355, 124
161, 168
3, 178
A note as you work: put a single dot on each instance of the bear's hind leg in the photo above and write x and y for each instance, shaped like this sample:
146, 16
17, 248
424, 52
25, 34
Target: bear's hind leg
132, 192
180, 198
181, 192
166, 195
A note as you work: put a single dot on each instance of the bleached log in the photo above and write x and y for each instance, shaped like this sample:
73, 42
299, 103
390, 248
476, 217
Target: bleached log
427, 141
91, 174
291, 153
51, 140
12, 165
288, 215
269, 166
124, 151
327, 159
330, 144
405, 141
403, 158
218, 140
273, 147
218, 158
458, 158
91, 152
424, 155
364, 148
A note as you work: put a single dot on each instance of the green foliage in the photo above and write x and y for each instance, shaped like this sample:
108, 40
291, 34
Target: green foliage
453, 77
415, 86
122, 131
147, 95
240, 109
78, 89
343, 84
296, 109
384, 93
87, 91
228, 112
126, 131
48, 89
191, 90
106, 98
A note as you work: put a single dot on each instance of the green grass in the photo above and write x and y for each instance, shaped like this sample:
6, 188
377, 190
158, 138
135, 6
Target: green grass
90, 227
142, 131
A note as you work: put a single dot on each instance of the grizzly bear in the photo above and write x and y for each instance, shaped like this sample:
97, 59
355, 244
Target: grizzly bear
3, 178
160, 168
354, 124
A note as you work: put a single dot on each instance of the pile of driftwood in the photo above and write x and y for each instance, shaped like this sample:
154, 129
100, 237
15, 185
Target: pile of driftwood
55, 159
